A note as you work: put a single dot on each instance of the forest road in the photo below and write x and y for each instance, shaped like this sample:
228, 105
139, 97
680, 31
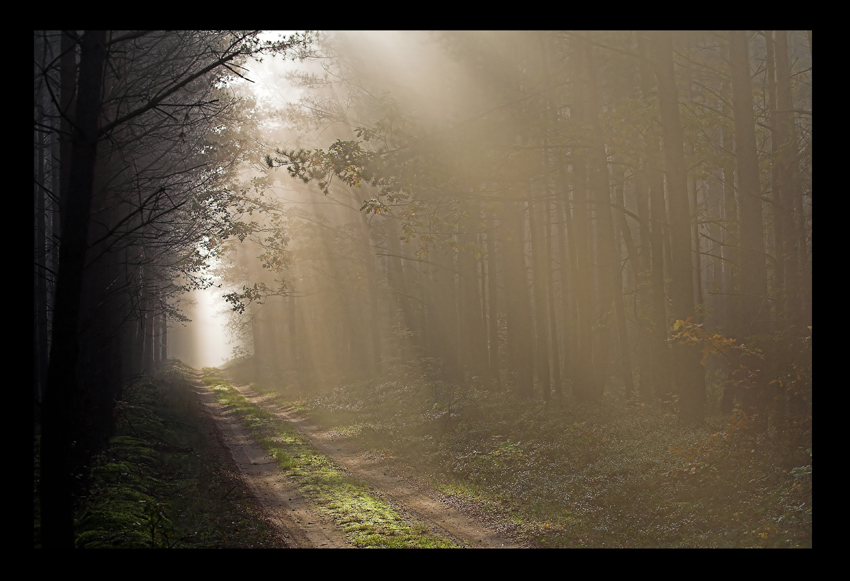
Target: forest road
297, 517
293, 514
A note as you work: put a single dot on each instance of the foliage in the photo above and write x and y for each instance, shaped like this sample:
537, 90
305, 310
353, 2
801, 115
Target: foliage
163, 482
694, 334
580, 475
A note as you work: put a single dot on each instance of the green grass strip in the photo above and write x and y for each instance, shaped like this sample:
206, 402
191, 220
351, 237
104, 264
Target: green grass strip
366, 520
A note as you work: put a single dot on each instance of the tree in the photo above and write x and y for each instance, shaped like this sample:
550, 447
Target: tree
689, 373
752, 261
644, 191
140, 96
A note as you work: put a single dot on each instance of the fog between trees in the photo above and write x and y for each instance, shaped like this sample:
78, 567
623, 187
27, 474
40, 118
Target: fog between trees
532, 211
566, 215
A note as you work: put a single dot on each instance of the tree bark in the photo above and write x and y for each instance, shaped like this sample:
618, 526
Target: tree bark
541, 318
689, 373
585, 386
62, 389
517, 301
754, 305
492, 303
661, 368
790, 203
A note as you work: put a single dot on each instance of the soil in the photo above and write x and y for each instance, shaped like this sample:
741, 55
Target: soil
295, 515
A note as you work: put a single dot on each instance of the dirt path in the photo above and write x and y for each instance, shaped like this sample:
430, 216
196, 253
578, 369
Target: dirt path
295, 514
291, 512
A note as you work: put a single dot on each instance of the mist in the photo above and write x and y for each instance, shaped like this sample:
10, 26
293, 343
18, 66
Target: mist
439, 225
421, 180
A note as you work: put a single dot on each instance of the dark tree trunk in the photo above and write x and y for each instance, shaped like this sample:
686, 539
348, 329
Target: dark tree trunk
473, 339
163, 339
689, 372
661, 367
492, 303
611, 287
557, 382
731, 243
622, 231
585, 386
62, 389
541, 318
517, 301
754, 305
39, 241
790, 204
566, 284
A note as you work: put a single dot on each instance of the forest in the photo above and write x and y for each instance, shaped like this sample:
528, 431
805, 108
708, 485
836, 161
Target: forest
495, 254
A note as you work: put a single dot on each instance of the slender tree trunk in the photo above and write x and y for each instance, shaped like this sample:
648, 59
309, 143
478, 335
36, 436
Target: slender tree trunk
714, 196
492, 303
550, 163
794, 252
473, 337
776, 139
445, 320
622, 231
557, 382
693, 193
395, 275
790, 206
566, 258
157, 349
370, 264
642, 264
611, 284
39, 240
585, 387
541, 352
689, 371
518, 306
661, 367
731, 243
163, 339
753, 269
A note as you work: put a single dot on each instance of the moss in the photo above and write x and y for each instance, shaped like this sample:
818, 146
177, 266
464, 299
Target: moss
602, 474
367, 520
160, 482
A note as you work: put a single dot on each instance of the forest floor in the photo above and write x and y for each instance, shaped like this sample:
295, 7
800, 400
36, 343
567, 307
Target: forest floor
478, 466
299, 518
215, 459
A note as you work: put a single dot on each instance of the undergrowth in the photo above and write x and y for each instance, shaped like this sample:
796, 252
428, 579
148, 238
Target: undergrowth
164, 481
584, 475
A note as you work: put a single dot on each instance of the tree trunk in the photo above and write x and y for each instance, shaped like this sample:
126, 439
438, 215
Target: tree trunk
622, 231
585, 387
517, 300
62, 389
753, 269
790, 205
541, 318
473, 337
557, 382
689, 373
611, 285
661, 368
492, 303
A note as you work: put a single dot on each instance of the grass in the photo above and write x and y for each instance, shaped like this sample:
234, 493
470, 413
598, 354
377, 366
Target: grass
582, 475
366, 519
163, 481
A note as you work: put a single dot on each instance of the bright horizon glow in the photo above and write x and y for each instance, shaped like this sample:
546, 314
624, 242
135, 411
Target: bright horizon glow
202, 342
